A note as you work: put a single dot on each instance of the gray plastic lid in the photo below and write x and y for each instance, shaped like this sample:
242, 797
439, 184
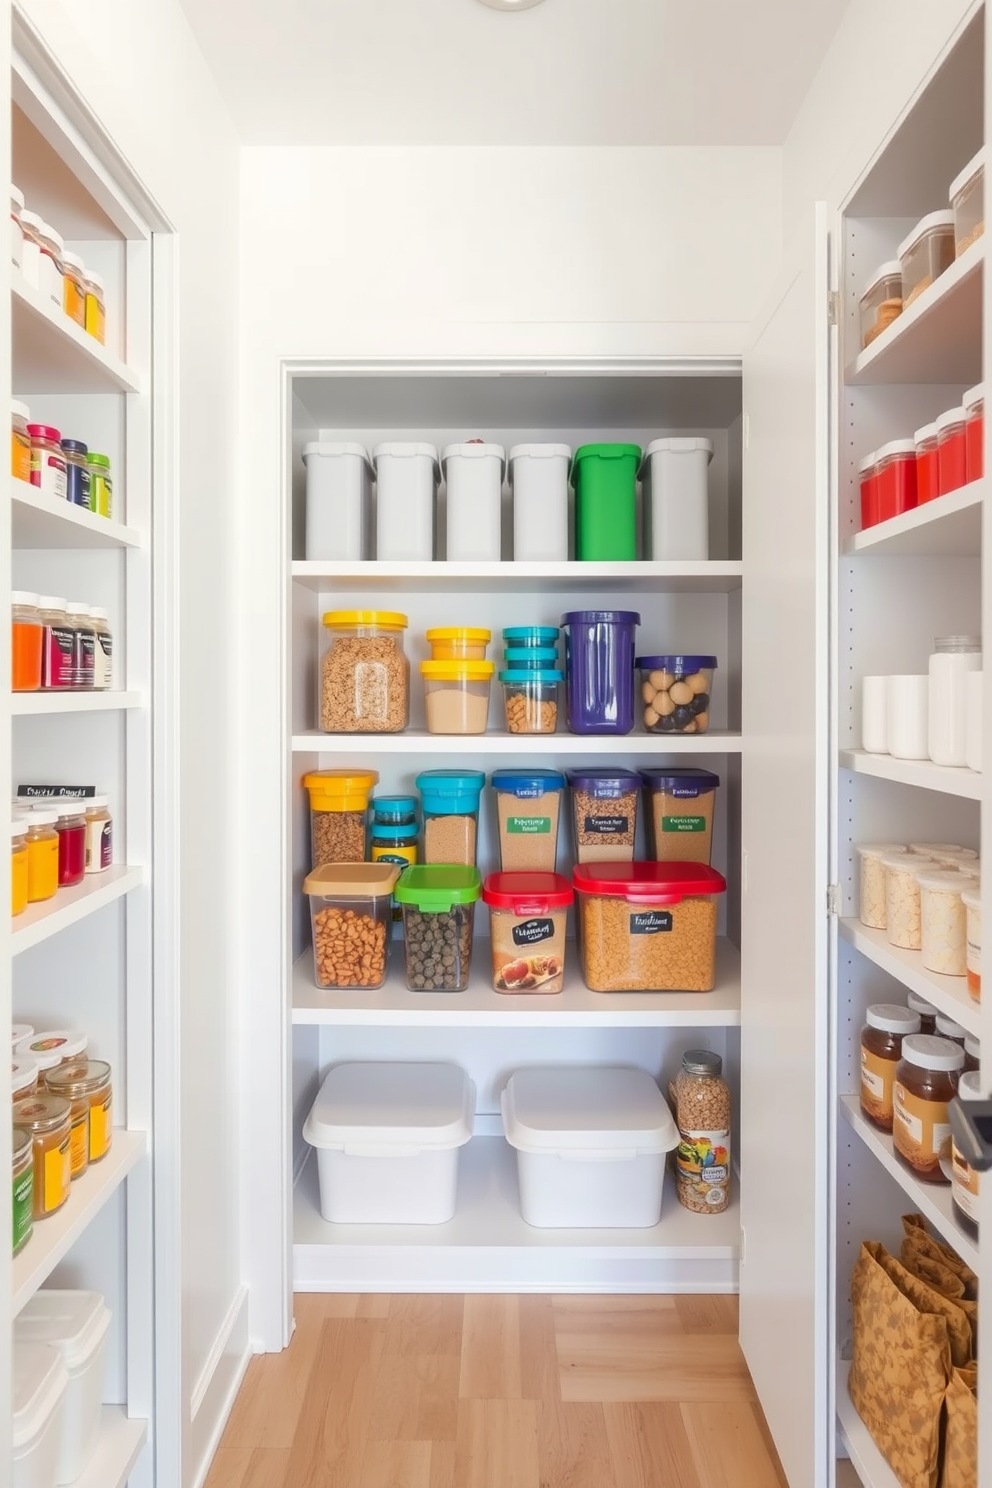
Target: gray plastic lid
930, 1052
891, 1018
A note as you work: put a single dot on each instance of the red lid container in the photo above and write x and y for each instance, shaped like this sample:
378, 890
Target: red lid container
896, 475
648, 883
951, 458
527, 893
868, 483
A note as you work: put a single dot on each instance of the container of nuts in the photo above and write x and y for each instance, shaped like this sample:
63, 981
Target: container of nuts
339, 806
676, 693
531, 699
351, 919
364, 676
604, 808
648, 926
438, 902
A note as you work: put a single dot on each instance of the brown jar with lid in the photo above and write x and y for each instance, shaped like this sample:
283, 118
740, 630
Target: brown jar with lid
926, 1010
947, 1028
972, 1053
86, 1084
47, 1120
925, 1084
886, 1025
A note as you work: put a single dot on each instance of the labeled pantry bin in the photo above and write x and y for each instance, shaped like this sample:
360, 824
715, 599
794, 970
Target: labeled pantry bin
387, 1138
339, 806
648, 926
527, 918
528, 811
364, 675
682, 805
591, 1141
604, 814
351, 919
438, 903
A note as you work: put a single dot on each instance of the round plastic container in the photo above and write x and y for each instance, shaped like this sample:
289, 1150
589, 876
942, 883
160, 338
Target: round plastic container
676, 693
604, 814
531, 699
531, 635
868, 490
926, 1082
438, 903
365, 676
599, 670
339, 802
943, 932
973, 404
872, 911
339, 495
972, 900
530, 657
967, 198
456, 695
450, 804
874, 709
907, 716
96, 306
26, 641
527, 918
681, 808
458, 643
940, 852
927, 464
903, 911
895, 471
528, 811
605, 481
954, 657
881, 301
951, 450
18, 866
407, 477
351, 920
925, 254
474, 476
676, 499
648, 926
389, 843
539, 488
886, 1025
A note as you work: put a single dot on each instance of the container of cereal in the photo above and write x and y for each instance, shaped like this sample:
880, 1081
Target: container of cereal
438, 903
972, 899
450, 803
530, 696
903, 910
365, 676
871, 854
676, 693
703, 1115
967, 198
604, 814
925, 254
682, 804
943, 922
527, 917
351, 919
528, 808
926, 1082
339, 804
648, 926
886, 1025
456, 695
881, 301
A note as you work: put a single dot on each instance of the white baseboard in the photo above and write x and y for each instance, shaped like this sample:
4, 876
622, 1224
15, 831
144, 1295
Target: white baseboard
216, 1389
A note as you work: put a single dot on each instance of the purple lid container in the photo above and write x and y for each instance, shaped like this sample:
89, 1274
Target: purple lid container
605, 785
601, 617
599, 670
682, 666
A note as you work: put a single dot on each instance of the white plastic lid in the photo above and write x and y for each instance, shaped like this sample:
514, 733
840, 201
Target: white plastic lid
392, 1110
929, 848
94, 278
42, 818
676, 446
16, 195
970, 1086
24, 597
76, 607
947, 1028
973, 1046
943, 880
972, 896
892, 1018
974, 395
926, 224
929, 431
23, 1074
20, 1032
920, 1005
335, 451
975, 164
48, 231
891, 269
895, 447
96, 613
49, 1049
407, 451
73, 1323
903, 862
475, 452
868, 463
879, 849
19, 409
541, 452
948, 417
31, 219
50, 602
73, 260
74, 806
930, 1052
585, 1109
92, 802
39, 1384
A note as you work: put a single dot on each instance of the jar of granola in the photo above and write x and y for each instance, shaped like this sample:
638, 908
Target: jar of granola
365, 676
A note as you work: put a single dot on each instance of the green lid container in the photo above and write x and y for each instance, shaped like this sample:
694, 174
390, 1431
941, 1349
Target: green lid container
434, 887
605, 481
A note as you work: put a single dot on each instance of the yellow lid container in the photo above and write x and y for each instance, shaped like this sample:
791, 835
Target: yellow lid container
365, 620
340, 790
457, 670
458, 642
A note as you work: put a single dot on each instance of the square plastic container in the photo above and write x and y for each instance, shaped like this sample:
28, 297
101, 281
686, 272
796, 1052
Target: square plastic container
528, 810
868, 489
351, 919
895, 472
456, 695
604, 814
676, 693
967, 198
387, 1139
458, 642
39, 1386
599, 670
450, 803
676, 499
927, 473
605, 481
952, 450
76, 1325
474, 476
339, 495
438, 903
527, 919
539, 487
925, 254
339, 812
407, 478
591, 1143
531, 699
648, 926
881, 301
681, 808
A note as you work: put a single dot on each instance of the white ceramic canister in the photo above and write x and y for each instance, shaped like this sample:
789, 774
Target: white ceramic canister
907, 716
407, 477
474, 476
874, 728
973, 720
953, 658
539, 487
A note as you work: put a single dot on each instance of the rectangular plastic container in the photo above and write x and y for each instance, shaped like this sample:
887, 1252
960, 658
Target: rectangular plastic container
339, 814
952, 457
591, 1143
528, 812
868, 490
604, 814
351, 919
39, 1386
927, 474
973, 404
407, 478
605, 481
528, 913
438, 902
647, 927
474, 476
387, 1139
881, 301
76, 1325
676, 499
895, 472
967, 198
539, 487
599, 670
925, 254
339, 495
450, 803
682, 805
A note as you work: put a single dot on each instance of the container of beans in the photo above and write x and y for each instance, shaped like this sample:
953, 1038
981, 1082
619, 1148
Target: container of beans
364, 676
925, 254
881, 301
450, 803
926, 1082
527, 917
681, 806
943, 923
528, 809
46, 1119
530, 696
886, 1025
648, 926
351, 919
438, 903
87, 1087
903, 913
676, 693
22, 1193
972, 899
339, 809
926, 1010
456, 695
458, 643
604, 814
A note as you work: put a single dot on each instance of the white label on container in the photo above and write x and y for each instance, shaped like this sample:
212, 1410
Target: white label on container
872, 1083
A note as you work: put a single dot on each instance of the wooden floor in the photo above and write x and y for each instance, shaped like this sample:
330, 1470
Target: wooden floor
501, 1392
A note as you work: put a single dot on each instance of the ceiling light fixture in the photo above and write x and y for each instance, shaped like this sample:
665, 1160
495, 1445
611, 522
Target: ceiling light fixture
510, 4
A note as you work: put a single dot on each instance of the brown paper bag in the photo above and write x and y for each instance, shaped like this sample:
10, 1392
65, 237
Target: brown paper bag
939, 1276
961, 1430
915, 1228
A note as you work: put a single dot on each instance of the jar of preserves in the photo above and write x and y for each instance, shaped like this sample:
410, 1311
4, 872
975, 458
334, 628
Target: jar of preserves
74, 287
23, 1077
83, 644
16, 229
925, 1084
972, 1053
18, 866
872, 911
51, 271
57, 643
947, 1028
62, 1081
20, 441
702, 1114
77, 473
886, 1025
99, 835
96, 306
365, 676
89, 1080
103, 650
973, 908
43, 856
953, 658
22, 1194
943, 924
927, 475
101, 485
973, 404
57, 1046
964, 1179
47, 460
47, 1121
71, 827
903, 913
26, 639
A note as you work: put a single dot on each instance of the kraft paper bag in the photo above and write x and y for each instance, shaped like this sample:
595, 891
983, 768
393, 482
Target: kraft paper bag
942, 1279
914, 1226
961, 1430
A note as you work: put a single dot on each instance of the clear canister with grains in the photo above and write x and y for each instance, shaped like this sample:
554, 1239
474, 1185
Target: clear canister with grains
528, 809
682, 803
943, 922
648, 926
450, 802
339, 803
351, 920
702, 1114
365, 676
902, 898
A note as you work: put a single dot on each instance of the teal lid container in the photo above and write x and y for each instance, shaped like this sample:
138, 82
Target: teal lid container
531, 656
605, 481
450, 792
531, 635
394, 831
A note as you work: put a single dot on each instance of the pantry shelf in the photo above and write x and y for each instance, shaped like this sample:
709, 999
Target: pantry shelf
117, 1450
938, 339
950, 527
52, 355
418, 741
41, 921
933, 1200
512, 577
38, 520
947, 993
54, 1237
870, 1465
23, 704
950, 780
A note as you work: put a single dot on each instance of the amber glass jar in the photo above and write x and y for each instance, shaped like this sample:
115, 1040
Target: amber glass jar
972, 1053
926, 1010
925, 1084
886, 1025
87, 1086
47, 1120
22, 1194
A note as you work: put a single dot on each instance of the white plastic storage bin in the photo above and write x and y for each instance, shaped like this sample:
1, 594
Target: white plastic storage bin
76, 1325
38, 1395
387, 1139
676, 499
539, 486
474, 476
591, 1143
339, 492
406, 478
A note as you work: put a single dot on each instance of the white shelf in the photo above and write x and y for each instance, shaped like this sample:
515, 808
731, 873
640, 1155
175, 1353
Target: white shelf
938, 339
40, 921
950, 780
947, 993
54, 1237
394, 1006
23, 704
717, 577
418, 741
933, 1200
117, 1450
869, 1464
950, 527
52, 355
38, 520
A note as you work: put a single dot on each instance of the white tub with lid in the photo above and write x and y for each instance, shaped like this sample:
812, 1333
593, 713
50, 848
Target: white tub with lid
407, 478
76, 1325
339, 494
539, 487
40, 1381
676, 499
591, 1142
387, 1139
474, 476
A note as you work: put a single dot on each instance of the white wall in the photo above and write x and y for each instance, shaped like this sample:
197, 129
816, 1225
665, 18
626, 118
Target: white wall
141, 72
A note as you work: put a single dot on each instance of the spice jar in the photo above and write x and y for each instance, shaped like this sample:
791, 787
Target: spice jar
43, 856
953, 658
74, 287
450, 802
22, 1192
47, 1121
868, 490
972, 1052
972, 899
702, 1114
528, 810
47, 460
339, 802
365, 676
881, 301
604, 812
50, 265
26, 639
77, 473
943, 937
964, 1179
86, 1086
101, 485
871, 854
927, 473
902, 898
886, 1025
18, 867
16, 229
527, 919
20, 441
926, 1082
973, 404
438, 904
103, 650
96, 306
99, 835
71, 827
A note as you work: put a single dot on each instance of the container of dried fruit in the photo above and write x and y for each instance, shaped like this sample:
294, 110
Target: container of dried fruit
351, 919
967, 198
456, 695
450, 803
531, 699
682, 804
881, 301
364, 674
646, 927
528, 810
339, 814
438, 903
676, 693
604, 813
527, 917
925, 254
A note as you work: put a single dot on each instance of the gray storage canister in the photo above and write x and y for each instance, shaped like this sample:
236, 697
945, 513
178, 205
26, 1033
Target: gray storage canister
339, 494
539, 485
676, 499
407, 478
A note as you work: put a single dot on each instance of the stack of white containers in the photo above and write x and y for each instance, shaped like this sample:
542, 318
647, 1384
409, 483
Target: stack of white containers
936, 715
60, 1342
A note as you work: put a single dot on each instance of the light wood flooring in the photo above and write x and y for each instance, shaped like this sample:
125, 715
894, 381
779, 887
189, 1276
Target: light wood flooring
501, 1392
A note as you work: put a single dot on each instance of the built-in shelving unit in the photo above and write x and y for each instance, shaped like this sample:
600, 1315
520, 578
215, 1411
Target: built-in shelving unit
866, 1460
419, 741
523, 578
122, 1438
924, 774
947, 993
53, 354
51, 916
949, 527
25, 704
42, 521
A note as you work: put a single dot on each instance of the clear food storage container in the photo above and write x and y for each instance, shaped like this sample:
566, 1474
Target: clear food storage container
895, 472
604, 812
972, 898
339, 496
531, 699
458, 642
456, 695
365, 676
952, 449
339, 810
438, 902
539, 491
75, 1325
927, 476
973, 404
407, 478
881, 301
599, 670
868, 490
450, 803
902, 897
967, 198
530, 658
676, 693
648, 926
943, 923
527, 917
682, 805
925, 254
528, 809
351, 918
531, 635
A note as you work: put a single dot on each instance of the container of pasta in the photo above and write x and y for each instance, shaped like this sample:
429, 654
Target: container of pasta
648, 926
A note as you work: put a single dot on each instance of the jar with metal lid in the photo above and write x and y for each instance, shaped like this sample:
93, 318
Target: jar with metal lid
964, 1179
364, 675
43, 856
22, 1194
88, 1081
103, 650
101, 485
18, 867
74, 287
20, 441
953, 658
972, 1052
31, 225
886, 1025
83, 644
63, 1081
26, 640
96, 306
57, 644
903, 913
971, 896
339, 811
46, 1119
926, 1082
943, 923
78, 484
51, 272
99, 835
871, 854
16, 229
702, 1114
47, 460
71, 827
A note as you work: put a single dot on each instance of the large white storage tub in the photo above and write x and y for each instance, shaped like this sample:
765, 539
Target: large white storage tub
406, 493
76, 1325
339, 494
591, 1143
676, 501
387, 1139
474, 476
38, 1395
539, 486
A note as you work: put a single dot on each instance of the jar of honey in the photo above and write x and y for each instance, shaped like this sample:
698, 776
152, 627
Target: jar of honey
43, 856
23, 1189
87, 1086
23, 1078
46, 1119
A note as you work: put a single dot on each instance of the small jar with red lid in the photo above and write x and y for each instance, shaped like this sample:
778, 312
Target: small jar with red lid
951, 450
868, 483
927, 476
895, 473
527, 915
973, 403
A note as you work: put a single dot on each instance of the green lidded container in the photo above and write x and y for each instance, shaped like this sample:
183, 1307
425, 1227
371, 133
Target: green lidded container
438, 902
605, 481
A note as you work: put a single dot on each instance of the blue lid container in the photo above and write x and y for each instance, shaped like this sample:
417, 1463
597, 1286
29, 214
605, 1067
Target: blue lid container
527, 784
530, 635
397, 809
394, 831
531, 656
450, 792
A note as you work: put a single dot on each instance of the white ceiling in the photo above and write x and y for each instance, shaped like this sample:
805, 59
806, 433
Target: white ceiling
570, 72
